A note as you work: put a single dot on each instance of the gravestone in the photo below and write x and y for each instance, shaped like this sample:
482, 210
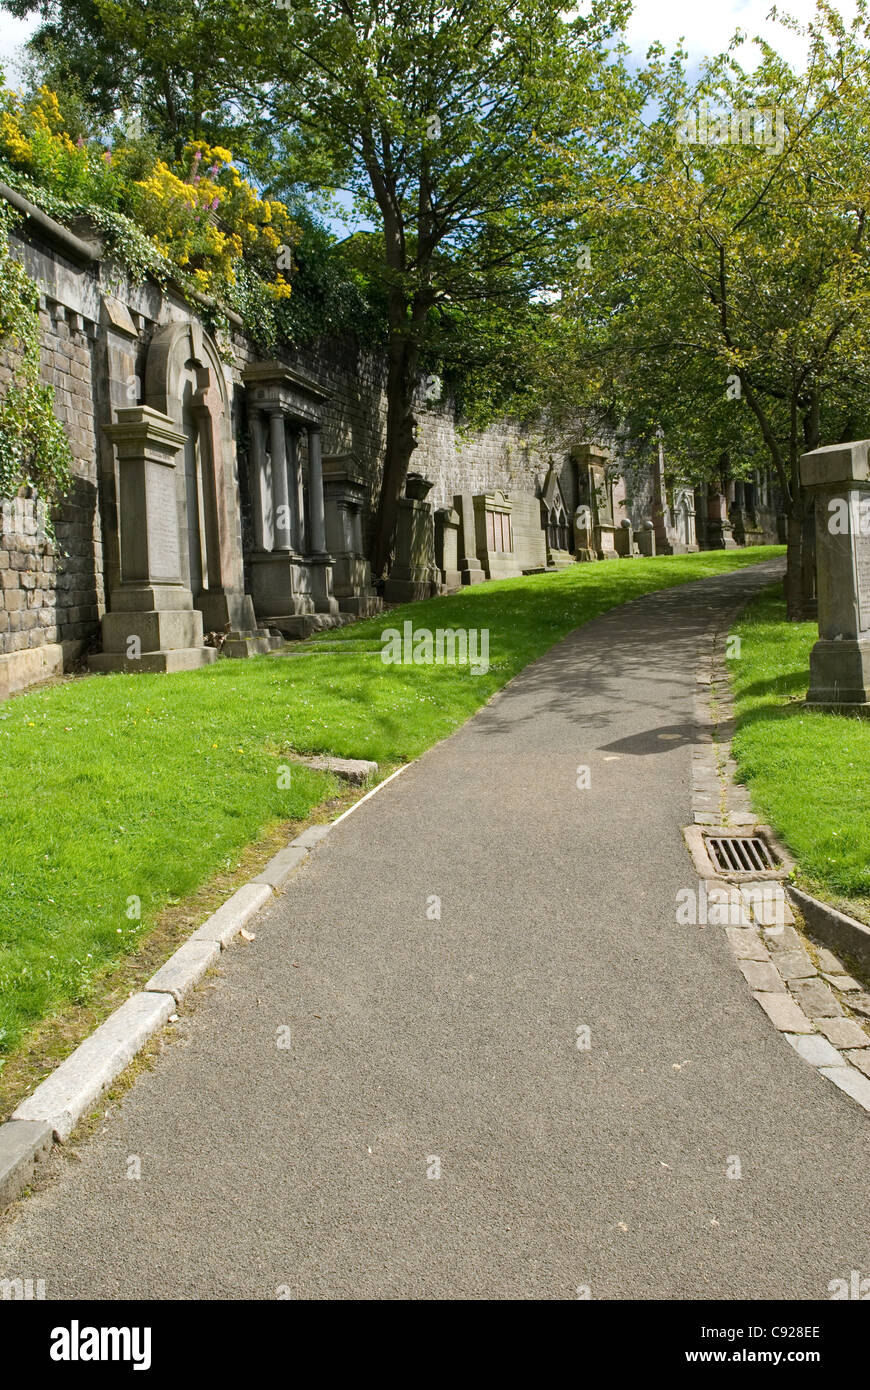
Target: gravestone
494, 534
470, 567
594, 490
839, 479
447, 549
646, 539
413, 573
623, 540
344, 490
152, 624
584, 541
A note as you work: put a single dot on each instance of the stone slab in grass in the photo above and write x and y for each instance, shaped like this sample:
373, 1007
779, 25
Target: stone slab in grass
184, 969
355, 770
73, 1087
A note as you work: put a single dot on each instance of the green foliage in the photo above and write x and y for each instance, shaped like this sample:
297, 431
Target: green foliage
735, 254
34, 451
803, 767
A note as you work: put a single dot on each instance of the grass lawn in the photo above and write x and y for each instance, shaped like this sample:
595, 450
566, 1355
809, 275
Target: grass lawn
808, 773
129, 792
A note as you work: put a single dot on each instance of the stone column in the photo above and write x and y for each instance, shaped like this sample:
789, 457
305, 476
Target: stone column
661, 511
294, 475
283, 539
470, 567
315, 492
839, 478
261, 484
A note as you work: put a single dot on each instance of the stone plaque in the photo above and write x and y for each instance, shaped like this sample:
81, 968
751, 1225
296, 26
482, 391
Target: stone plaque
162, 521
862, 579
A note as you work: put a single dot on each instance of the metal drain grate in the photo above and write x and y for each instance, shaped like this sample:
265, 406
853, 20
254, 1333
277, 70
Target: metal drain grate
740, 854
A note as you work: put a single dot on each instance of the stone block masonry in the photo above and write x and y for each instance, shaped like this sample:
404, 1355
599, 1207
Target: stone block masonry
51, 591
97, 333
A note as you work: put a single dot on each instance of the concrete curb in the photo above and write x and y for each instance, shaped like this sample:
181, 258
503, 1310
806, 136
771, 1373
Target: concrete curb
52, 1111
62, 1099
282, 866
225, 924
184, 969
23, 1144
833, 928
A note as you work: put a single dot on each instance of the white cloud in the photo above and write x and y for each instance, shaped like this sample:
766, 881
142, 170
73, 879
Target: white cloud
707, 28
14, 33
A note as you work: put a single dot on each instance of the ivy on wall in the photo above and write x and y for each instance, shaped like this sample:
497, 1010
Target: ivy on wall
34, 449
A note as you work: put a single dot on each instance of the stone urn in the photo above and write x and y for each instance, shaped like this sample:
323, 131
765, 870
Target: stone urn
417, 487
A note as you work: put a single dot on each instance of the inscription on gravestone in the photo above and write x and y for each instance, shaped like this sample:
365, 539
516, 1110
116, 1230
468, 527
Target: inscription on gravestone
862, 577
162, 520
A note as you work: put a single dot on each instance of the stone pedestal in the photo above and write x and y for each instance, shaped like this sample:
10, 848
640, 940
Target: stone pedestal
152, 624
412, 575
839, 478
470, 568
447, 549
646, 539
720, 535
623, 540
584, 541
593, 489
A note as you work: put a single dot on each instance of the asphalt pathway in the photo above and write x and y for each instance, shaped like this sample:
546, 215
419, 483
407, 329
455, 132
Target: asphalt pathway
422, 1045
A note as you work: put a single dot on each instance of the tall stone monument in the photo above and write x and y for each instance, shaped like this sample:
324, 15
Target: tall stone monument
594, 490
152, 624
838, 476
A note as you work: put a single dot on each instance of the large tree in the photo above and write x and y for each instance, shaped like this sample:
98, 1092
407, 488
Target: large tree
725, 287
444, 120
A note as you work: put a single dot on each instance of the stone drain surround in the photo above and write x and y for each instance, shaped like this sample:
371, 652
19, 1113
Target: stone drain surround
804, 989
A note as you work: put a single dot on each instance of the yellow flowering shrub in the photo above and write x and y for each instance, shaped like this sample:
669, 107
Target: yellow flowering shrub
199, 213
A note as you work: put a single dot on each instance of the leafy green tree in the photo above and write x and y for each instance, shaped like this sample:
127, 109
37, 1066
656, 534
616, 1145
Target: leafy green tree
724, 293
442, 121
174, 68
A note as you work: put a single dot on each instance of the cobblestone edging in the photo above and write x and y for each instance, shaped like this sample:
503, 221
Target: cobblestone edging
51, 1112
804, 989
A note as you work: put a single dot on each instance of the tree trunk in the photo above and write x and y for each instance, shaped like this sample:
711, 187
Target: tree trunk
800, 575
400, 444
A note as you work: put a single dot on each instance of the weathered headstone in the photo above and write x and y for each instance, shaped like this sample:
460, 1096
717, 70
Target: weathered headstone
646, 539
839, 478
412, 575
447, 549
470, 567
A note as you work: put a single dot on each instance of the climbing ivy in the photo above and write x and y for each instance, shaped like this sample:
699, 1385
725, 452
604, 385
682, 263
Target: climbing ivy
34, 450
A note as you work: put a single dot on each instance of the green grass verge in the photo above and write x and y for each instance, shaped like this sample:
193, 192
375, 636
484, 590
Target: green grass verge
118, 788
808, 773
